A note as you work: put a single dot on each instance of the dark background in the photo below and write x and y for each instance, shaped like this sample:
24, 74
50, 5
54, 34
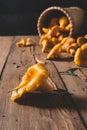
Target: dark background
19, 17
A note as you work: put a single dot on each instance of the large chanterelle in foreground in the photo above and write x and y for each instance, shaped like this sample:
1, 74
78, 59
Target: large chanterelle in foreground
36, 78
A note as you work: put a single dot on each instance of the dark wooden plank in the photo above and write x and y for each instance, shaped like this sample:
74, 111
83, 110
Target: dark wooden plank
84, 71
35, 111
77, 85
5, 45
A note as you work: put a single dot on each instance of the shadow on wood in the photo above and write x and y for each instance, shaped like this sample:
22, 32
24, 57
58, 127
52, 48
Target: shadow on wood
57, 99
64, 58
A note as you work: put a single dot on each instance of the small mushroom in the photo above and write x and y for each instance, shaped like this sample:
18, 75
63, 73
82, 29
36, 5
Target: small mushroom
81, 40
63, 21
29, 42
55, 52
21, 43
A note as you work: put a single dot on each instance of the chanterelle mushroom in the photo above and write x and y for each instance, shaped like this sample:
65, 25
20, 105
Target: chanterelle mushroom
36, 78
80, 57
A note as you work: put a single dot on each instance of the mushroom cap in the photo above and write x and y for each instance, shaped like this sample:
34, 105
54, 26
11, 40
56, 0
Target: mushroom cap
80, 57
36, 78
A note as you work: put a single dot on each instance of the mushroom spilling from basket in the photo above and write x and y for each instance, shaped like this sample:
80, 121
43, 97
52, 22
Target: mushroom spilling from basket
55, 40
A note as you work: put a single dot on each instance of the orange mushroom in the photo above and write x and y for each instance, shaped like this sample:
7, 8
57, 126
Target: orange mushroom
80, 57
36, 78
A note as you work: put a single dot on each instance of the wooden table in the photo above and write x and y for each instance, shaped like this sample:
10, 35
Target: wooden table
62, 110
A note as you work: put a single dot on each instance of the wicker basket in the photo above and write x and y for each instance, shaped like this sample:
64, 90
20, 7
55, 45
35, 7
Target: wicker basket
76, 16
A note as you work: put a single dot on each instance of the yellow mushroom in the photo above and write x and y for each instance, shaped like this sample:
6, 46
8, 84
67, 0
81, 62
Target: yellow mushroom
80, 57
60, 38
84, 47
60, 47
54, 31
21, 43
85, 36
68, 27
81, 40
45, 30
63, 21
36, 78
72, 48
66, 42
55, 51
46, 43
24, 42
29, 42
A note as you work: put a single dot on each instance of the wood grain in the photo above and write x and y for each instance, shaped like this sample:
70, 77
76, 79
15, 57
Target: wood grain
76, 85
40, 111
5, 45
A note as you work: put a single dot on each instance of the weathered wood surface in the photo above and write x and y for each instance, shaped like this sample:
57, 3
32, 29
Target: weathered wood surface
5, 46
56, 111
